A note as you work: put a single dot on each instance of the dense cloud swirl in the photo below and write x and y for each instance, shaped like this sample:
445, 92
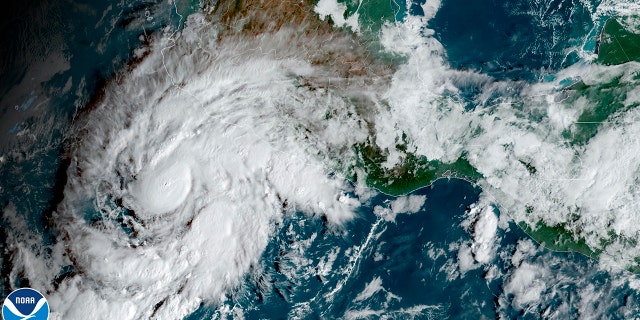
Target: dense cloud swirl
182, 167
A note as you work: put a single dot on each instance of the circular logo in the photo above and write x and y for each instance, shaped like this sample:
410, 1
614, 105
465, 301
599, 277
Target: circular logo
25, 303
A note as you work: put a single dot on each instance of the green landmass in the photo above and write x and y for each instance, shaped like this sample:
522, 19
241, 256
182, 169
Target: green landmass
412, 173
606, 99
635, 268
561, 238
617, 44
372, 14
415, 172
558, 238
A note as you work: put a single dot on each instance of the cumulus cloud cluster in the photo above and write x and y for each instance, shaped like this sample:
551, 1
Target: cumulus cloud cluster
522, 142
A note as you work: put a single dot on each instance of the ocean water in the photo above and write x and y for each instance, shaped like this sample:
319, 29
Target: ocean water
367, 250
517, 40
97, 39
428, 260
409, 269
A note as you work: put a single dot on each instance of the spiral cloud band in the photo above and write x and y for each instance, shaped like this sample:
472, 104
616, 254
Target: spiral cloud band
181, 170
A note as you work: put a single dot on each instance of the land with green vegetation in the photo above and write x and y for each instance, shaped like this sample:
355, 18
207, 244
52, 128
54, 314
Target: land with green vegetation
373, 14
558, 238
606, 98
619, 44
413, 172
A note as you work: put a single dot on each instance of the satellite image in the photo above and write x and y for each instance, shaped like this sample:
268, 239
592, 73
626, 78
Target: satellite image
320, 159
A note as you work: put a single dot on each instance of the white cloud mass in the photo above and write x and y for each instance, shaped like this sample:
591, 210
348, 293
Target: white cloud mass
201, 143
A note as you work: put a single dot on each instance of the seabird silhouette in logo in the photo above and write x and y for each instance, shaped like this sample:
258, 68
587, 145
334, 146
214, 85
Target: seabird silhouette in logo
25, 303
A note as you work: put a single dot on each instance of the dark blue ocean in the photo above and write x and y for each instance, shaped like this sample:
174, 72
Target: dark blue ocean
401, 256
413, 258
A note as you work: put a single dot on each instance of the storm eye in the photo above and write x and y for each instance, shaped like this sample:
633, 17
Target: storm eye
162, 188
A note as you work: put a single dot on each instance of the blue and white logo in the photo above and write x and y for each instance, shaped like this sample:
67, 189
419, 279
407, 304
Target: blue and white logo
25, 303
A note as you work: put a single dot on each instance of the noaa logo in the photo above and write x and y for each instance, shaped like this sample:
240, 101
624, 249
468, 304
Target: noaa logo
25, 303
